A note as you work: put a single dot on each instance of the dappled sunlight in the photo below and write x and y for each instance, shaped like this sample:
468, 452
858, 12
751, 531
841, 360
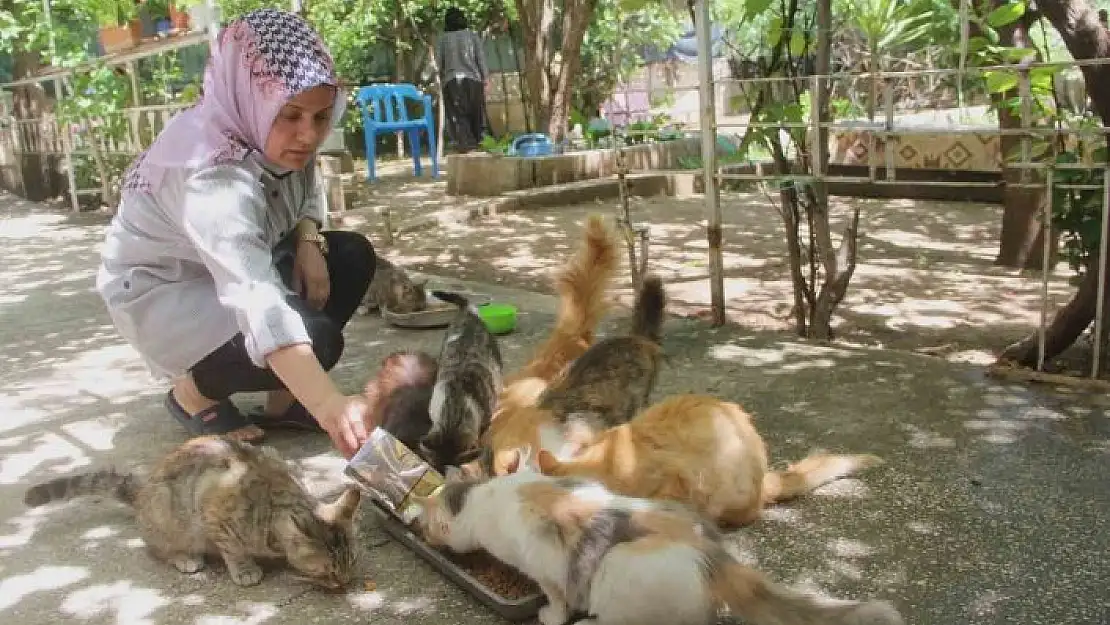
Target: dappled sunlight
57, 453
926, 276
983, 486
15, 588
780, 354
127, 602
254, 613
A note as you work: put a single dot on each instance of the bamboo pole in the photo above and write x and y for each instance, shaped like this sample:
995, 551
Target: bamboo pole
709, 161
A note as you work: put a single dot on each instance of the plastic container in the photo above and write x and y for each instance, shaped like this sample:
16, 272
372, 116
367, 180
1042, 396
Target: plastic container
522, 609
534, 144
499, 318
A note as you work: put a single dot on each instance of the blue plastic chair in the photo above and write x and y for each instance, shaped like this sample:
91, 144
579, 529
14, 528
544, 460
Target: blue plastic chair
384, 111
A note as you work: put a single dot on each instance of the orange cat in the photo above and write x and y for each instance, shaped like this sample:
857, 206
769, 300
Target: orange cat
605, 386
702, 451
581, 285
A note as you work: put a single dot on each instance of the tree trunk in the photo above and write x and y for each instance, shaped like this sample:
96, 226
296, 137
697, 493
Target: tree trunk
576, 20
536, 18
1022, 236
30, 103
549, 93
1078, 25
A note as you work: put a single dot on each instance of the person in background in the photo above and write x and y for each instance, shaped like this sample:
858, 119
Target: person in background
463, 74
214, 267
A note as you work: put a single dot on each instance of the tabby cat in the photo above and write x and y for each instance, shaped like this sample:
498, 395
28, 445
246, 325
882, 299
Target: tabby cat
394, 290
605, 559
603, 387
216, 495
467, 384
701, 451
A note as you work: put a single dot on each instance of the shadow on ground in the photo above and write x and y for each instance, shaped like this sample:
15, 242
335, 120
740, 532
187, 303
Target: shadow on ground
990, 508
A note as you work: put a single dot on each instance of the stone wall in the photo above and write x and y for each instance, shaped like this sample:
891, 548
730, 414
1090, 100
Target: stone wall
483, 175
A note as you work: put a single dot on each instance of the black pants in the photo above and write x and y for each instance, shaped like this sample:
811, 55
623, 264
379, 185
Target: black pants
351, 261
465, 105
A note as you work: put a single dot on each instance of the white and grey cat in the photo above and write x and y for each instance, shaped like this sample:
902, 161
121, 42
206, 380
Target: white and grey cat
611, 560
468, 381
393, 289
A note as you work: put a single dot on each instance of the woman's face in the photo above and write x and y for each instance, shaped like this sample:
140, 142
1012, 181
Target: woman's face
300, 127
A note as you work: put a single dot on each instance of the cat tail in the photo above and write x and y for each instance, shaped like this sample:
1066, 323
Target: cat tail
122, 486
581, 285
452, 298
583, 281
812, 472
759, 601
647, 313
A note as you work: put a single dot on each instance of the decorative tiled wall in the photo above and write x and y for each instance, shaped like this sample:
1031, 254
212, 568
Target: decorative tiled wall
975, 152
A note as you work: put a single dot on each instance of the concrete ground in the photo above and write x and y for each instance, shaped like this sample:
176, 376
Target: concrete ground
991, 508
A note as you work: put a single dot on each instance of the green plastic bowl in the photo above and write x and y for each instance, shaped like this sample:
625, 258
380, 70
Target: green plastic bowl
499, 318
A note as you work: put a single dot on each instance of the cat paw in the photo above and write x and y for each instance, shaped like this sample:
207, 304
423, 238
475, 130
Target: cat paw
188, 564
245, 573
553, 614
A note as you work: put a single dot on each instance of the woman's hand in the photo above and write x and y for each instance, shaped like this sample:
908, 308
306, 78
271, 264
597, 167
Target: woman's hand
347, 421
310, 274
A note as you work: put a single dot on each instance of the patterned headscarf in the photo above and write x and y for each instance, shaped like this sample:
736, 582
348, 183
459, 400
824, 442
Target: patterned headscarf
260, 61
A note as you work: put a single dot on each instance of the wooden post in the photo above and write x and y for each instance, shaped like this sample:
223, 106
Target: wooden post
707, 96
133, 122
331, 174
67, 150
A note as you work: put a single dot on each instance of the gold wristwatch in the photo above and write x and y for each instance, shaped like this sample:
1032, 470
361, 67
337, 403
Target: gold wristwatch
318, 239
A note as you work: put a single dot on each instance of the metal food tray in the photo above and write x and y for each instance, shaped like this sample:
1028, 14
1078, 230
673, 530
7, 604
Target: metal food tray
520, 609
432, 318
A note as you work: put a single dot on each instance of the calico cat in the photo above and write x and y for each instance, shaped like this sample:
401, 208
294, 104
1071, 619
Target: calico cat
700, 451
603, 387
607, 559
581, 285
219, 496
467, 384
400, 394
393, 289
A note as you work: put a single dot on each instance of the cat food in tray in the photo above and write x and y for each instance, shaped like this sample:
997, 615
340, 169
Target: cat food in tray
391, 474
499, 588
438, 313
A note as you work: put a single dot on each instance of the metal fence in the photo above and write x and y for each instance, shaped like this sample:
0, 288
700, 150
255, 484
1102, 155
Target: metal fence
1037, 170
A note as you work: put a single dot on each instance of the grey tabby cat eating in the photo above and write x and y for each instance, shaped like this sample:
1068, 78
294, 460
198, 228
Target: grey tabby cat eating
468, 381
215, 495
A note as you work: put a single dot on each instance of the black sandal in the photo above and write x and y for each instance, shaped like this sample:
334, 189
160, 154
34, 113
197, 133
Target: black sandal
221, 418
295, 418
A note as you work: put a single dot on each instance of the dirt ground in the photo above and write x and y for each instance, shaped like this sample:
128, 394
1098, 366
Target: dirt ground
990, 507
925, 279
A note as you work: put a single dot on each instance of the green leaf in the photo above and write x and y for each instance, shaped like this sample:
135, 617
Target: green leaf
797, 43
977, 43
1001, 81
1006, 14
755, 8
774, 32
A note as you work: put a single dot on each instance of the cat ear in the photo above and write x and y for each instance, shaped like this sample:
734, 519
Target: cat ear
525, 461
518, 459
453, 474
344, 508
547, 462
